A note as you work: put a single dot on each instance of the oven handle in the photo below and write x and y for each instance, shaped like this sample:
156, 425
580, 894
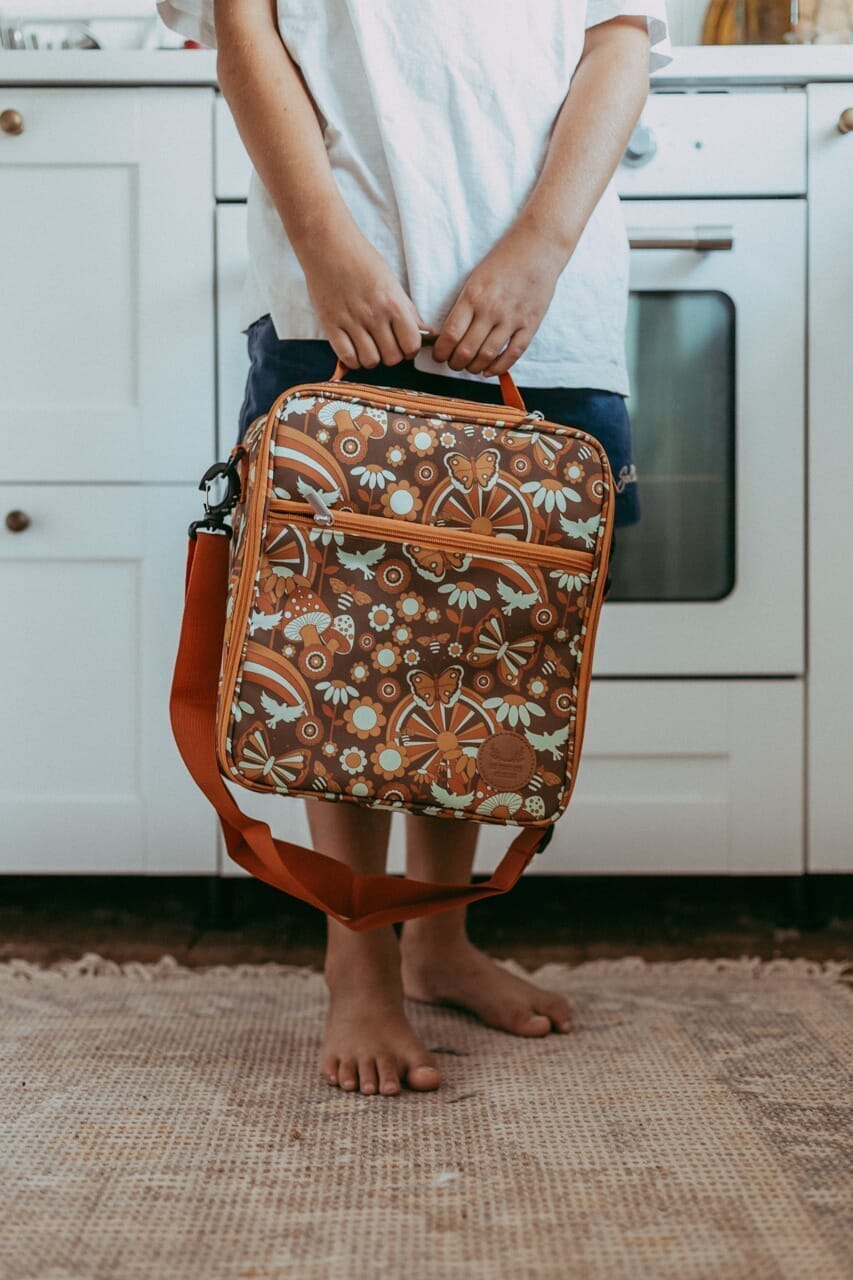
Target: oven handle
699, 237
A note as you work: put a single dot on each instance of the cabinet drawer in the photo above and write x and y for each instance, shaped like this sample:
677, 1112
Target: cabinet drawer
60, 125
93, 592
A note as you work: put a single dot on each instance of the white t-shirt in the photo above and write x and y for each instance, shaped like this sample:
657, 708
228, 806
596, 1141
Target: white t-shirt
437, 116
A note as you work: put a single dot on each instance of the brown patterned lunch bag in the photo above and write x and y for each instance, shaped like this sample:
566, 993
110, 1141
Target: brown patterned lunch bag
401, 615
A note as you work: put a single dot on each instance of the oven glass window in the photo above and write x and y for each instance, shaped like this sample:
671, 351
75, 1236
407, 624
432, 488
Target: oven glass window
680, 350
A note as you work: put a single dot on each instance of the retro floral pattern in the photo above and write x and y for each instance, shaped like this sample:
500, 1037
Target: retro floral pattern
376, 660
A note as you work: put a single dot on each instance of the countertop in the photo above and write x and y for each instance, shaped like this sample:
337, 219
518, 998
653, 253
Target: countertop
732, 64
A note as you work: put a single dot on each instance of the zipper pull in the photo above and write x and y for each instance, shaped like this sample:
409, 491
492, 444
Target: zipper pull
322, 514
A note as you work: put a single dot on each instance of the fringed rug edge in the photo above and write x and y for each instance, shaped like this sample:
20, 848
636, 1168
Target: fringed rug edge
93, 965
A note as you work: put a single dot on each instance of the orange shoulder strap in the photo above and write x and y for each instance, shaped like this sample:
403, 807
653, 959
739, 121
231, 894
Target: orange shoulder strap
359, 901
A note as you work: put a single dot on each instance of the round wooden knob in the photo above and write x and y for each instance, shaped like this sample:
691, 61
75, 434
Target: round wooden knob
11, 121
17, 521
845, 120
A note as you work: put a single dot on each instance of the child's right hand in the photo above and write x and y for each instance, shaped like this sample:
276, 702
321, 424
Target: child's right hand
366, 314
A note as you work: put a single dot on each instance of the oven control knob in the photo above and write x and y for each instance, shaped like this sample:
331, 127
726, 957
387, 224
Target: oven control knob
845, 121
642, 146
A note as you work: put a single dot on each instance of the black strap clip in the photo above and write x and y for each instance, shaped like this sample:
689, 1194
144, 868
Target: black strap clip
213, 520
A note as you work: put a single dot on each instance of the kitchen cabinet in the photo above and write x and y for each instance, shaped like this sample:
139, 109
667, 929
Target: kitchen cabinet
830, 547
92, 587
107, 419
106, 319
123, 217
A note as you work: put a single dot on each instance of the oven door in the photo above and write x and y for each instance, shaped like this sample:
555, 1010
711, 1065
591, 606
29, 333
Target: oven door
711, 581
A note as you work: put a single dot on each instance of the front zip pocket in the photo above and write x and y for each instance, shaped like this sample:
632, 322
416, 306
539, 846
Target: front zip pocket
493, 474
411, 532
407, 666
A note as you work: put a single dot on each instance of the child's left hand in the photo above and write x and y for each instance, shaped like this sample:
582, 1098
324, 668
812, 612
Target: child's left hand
502, 302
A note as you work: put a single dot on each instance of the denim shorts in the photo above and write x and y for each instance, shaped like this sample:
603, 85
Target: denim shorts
278, 363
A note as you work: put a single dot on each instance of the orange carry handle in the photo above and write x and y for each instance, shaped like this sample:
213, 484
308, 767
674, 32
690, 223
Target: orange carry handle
509, 391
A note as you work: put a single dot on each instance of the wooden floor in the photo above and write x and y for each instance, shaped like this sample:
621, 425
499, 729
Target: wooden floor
568, 919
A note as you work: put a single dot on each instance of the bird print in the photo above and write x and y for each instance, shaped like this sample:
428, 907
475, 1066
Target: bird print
279, 712
448, 799
515, 599
264, 621
549, 741
583, 529
305, 489
362, 560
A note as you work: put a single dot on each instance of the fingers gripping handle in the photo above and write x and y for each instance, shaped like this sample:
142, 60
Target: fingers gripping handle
509, 391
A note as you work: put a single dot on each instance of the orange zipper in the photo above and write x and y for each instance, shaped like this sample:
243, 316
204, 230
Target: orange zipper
434, 535
455, 406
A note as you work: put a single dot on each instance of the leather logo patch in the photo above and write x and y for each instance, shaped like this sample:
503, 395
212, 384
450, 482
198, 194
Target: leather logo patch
506, 761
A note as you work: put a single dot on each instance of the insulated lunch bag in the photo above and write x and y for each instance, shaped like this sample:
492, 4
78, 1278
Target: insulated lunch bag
400, 615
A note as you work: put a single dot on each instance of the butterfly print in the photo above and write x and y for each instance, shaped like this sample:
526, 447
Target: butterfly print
466, 473
434, 562
443, 689
491, 645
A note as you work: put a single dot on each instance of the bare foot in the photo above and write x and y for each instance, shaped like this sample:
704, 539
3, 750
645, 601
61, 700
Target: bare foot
459, 974
369, 1043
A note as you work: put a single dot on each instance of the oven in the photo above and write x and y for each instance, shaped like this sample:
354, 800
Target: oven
711, 581
693, 755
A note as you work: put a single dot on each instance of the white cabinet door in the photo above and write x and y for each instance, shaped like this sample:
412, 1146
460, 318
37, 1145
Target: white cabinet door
682, 777
232, 358
677, 777
91, 779
233, 166
106, 306
830, 728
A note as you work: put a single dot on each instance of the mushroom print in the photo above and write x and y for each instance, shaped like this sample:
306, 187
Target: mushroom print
369, 659
308, 623
354, 427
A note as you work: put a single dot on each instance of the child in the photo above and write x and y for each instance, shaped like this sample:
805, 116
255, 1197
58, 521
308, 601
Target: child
441, 164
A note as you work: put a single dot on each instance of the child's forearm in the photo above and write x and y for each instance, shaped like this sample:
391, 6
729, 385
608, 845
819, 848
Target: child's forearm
277, 122
504, 299
607, 94
360, 304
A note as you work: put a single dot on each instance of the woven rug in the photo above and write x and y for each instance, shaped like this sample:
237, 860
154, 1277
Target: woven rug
170, 1123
